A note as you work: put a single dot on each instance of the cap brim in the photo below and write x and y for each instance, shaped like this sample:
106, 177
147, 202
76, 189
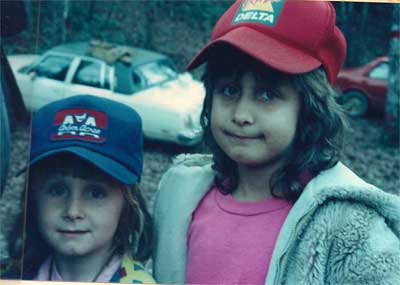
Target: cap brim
270, 51
107, 165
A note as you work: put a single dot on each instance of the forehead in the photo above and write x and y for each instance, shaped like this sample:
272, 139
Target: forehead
68, 165
229, 62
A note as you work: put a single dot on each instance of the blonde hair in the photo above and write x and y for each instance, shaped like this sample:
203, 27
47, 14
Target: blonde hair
134, 230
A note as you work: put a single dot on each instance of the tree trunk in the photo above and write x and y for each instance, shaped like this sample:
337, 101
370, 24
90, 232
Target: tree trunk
65, 20
89, 16
364, 17
393, 95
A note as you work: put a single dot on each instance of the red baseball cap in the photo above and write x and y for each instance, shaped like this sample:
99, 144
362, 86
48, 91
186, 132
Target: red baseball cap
291, 36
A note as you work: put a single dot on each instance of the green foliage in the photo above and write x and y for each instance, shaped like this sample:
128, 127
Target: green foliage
366, 27
179, 28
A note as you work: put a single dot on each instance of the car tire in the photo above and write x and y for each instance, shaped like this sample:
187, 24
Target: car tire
354, 103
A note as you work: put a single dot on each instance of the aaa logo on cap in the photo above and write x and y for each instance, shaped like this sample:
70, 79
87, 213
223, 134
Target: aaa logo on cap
79, 124
259, 11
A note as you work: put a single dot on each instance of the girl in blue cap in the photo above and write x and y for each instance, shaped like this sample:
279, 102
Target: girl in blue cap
273, 204
85, 216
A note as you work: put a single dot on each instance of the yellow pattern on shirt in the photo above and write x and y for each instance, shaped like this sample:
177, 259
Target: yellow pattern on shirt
135, 272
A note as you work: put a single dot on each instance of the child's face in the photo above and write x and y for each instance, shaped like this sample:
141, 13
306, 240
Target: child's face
254, 122
78, 217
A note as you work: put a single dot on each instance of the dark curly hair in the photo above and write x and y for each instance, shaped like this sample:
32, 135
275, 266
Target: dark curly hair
319, 133
28, 249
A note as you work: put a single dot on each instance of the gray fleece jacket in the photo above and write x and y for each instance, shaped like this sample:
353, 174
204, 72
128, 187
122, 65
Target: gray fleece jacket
341, 230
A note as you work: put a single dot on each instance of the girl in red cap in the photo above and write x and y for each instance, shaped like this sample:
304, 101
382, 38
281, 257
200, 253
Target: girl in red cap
273, 204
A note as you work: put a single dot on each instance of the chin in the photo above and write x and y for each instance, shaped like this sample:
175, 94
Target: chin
247, 160
73, 252
254, 160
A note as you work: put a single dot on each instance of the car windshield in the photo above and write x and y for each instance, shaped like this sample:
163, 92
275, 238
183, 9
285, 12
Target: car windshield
380, 72
157, 72
53, 67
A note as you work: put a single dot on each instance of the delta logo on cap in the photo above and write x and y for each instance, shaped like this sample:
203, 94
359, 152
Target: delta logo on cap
259, 11
79, 124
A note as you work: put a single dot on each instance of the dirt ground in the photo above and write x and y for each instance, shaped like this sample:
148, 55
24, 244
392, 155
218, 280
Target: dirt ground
364, 152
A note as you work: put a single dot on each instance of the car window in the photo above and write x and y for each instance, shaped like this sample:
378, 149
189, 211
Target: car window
88, 73
380, 72
27, 68
137, 80
127, 79
53, 67
157, 72
107, 78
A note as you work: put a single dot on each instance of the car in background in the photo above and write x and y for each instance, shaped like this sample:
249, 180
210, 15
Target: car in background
168, 102
363, 89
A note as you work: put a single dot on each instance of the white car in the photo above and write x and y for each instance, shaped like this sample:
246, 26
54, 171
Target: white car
168, 102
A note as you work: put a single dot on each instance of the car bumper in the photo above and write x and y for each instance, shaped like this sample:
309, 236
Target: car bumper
189, 138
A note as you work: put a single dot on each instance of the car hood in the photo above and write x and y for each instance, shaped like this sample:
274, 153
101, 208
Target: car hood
20, 60
350, 72
182, 95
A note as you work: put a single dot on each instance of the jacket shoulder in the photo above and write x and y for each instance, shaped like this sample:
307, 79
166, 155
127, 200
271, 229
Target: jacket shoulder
187, 173
341, 184
189, 160
186, 181
345, 242
179, 192
365, 247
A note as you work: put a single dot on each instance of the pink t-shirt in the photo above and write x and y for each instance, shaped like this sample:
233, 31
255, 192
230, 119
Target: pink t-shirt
231, 242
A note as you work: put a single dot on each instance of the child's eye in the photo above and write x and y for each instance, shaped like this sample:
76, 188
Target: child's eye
230, 91
96, 192
57, 190
266, 95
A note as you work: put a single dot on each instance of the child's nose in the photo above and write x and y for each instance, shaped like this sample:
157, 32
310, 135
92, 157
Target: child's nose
242, 113
74, 208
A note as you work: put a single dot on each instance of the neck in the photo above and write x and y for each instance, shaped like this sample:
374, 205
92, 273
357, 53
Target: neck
254, 182
85, 268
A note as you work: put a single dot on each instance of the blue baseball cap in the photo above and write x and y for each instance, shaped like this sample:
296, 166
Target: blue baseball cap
103, 132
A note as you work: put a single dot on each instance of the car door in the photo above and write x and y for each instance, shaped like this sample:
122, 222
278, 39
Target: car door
47, 80
90, 77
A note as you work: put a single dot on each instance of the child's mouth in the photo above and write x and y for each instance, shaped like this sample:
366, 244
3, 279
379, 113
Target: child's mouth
242, 137
72, 233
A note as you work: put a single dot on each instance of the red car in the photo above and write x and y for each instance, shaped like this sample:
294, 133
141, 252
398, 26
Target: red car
363, 89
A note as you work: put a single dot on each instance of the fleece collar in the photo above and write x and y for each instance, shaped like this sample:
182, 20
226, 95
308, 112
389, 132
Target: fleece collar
336, 183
